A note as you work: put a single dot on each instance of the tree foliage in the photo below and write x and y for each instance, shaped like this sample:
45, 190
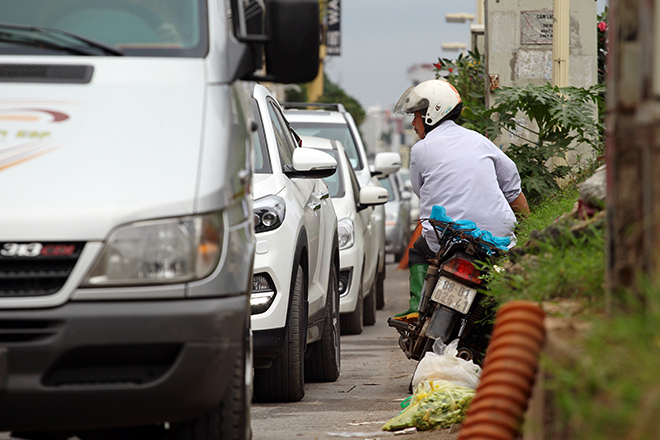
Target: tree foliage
467, 74
559, 119
333, 93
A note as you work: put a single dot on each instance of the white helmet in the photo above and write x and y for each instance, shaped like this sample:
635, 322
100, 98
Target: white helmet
437, 96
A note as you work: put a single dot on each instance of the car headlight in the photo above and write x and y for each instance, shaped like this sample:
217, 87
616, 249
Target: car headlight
160, 252
269, 213
346, 231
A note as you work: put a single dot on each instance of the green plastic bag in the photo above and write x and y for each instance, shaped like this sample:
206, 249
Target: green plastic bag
434, 404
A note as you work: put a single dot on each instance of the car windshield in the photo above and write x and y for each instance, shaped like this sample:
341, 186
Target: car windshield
335, 132
335, 182
104, 27
387, 184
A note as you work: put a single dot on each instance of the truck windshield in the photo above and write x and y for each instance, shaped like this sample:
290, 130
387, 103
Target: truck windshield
104, 27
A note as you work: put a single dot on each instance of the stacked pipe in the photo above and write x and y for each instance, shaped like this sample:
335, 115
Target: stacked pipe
509, 368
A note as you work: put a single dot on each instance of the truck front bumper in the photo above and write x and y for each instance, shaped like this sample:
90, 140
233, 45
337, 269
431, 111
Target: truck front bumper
95, 364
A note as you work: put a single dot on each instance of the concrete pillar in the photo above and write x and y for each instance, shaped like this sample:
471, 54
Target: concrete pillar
561, 37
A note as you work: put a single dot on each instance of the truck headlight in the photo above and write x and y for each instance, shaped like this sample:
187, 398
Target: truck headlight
346, 231
160, 252
269, 213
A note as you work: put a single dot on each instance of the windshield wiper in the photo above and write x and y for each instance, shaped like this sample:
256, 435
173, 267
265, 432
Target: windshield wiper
52, 39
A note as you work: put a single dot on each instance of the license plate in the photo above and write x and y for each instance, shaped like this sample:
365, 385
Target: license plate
454, 295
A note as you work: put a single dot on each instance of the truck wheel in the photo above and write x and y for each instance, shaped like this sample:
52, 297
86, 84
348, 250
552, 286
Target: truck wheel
370, 307
284, 380
380, 290
229, 420
324, 362
351, 323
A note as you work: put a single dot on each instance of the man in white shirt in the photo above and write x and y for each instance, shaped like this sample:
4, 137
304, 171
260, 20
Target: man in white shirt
458, 169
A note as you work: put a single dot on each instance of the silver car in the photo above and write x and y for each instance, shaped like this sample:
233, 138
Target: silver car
397, 216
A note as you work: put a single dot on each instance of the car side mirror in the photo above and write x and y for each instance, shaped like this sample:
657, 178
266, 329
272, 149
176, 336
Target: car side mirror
386, 164
309, 163
408, 185
406, 195
372, 196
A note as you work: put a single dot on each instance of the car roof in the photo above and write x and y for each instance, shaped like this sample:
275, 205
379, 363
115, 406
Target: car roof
315, 116
318, 143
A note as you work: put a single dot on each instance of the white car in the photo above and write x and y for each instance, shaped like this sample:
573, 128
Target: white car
295, 299
332, 121
358, 241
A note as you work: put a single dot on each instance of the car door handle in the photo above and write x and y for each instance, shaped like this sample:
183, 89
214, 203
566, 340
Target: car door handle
322, 195
314, 205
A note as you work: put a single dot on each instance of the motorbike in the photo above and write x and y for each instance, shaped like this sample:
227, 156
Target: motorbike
453, 302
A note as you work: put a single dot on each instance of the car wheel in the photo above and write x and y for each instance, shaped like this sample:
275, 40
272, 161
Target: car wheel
284, 381
351, 323
324, 362
380, 290
370, 307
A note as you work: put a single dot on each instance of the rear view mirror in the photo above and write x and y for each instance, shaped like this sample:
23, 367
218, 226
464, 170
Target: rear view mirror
373, 195
386, 164
309, 163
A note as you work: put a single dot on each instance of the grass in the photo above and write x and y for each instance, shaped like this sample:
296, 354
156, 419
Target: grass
612, 391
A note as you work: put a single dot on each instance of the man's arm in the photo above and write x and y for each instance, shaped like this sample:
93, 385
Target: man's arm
520, 206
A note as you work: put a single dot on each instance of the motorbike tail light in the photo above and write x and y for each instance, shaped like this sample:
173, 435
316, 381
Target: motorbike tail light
463, 269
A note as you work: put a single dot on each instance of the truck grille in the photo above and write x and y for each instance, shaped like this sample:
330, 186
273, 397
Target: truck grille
36, 269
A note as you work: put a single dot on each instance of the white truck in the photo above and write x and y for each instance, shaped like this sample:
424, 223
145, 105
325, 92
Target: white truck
126, 231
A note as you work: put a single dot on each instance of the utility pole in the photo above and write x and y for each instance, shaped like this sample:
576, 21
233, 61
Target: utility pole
632, 149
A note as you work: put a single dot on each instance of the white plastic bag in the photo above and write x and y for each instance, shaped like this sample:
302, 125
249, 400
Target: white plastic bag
443, 364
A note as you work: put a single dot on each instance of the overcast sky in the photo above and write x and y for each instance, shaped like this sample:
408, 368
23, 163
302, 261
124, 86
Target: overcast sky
381, 39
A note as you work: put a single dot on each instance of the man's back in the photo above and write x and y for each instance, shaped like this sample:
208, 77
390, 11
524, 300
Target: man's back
467, 174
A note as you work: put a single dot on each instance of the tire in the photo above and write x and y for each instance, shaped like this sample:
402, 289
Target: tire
351, 323
370, 308
324, 361
228, 421
380, 290
284, 380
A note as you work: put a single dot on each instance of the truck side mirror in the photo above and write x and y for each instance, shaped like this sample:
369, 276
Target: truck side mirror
290, 38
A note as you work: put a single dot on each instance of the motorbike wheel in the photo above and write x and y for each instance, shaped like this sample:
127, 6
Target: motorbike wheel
324, 362
284, 380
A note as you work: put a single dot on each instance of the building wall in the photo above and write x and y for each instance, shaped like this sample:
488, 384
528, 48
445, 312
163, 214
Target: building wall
519, 64
519, 50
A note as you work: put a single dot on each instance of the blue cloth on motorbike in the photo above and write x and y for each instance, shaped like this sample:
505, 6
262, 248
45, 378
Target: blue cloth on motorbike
439, 213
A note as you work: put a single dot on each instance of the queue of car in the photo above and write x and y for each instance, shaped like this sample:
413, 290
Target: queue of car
319, 258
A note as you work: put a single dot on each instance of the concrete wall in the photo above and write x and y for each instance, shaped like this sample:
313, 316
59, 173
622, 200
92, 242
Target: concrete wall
517, 59
519, 50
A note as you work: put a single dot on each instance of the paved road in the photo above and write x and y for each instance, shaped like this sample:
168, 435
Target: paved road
374, 379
